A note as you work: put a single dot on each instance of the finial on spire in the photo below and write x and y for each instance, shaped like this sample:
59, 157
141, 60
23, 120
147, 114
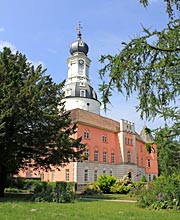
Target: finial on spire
79, 27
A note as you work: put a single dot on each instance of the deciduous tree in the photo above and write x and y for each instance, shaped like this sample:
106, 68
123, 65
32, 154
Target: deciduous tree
149, 67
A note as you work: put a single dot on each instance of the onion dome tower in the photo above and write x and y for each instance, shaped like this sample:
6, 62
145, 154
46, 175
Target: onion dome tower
78, 91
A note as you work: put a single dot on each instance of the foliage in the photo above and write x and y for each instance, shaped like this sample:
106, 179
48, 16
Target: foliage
62, 192
122, 186
149, 69
168, 151
162, 193
35, 129
120, 189
143, 178
91, 189
171, 5
105, 183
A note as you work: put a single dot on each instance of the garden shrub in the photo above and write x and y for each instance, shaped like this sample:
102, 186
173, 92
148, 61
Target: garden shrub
143, 178
120, 189
91, 189
32, 184
162, 193
55, 192
105, 183
64, 192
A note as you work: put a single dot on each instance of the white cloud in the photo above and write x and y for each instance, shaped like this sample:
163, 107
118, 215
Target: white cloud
2, 29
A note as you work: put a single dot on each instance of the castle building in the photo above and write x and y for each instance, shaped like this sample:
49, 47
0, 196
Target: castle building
112, 147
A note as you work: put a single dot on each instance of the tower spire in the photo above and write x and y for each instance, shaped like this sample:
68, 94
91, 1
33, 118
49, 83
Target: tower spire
78, 28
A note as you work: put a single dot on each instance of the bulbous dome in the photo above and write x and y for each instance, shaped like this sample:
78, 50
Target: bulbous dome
76, 87
79, 46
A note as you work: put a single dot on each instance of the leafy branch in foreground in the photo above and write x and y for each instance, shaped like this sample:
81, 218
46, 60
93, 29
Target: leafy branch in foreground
150, 66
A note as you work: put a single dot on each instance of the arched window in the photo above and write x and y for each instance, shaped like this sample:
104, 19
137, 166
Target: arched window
95, 175
129, 156
86, 134
86, 175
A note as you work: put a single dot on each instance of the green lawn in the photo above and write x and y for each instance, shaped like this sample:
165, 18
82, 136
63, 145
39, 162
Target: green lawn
12, 209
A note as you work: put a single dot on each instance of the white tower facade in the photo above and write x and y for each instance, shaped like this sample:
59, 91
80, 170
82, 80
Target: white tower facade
78, 91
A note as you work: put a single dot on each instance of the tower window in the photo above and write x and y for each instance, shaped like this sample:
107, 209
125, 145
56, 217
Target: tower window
69, 92
149, 163
82, 93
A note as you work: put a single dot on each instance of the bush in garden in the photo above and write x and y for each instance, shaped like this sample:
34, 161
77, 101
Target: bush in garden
91, 189
32, 184
136, 188
64, 192
120, 189
143, 179
162, 193
55, 192
105, 183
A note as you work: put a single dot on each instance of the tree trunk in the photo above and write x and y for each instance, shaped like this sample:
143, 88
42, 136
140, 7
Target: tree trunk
3, 176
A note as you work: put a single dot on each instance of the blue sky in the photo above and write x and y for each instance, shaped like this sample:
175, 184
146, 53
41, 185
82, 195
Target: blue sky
44, 29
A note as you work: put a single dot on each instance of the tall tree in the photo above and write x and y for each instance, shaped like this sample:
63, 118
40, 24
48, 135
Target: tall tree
149, 67
35, 129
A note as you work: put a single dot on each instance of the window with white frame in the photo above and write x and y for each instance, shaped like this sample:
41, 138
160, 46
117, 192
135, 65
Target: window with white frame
67, 174
86, 175
104, 138
86, 154
52, 175
112, 157
96, 155
150, 177
129, 156
95, 175
104, 156
86, 134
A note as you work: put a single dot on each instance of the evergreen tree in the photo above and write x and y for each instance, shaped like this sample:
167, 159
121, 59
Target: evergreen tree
35, 129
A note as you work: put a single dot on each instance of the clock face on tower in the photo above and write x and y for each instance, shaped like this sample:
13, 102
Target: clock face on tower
81, 62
